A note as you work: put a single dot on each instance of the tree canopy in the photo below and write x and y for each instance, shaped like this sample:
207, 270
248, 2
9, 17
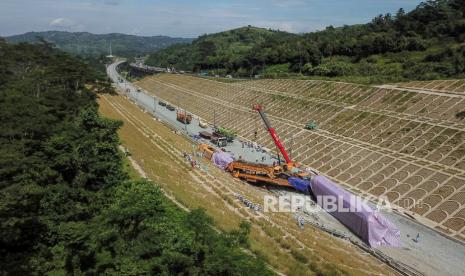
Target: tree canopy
66, 204
426, 43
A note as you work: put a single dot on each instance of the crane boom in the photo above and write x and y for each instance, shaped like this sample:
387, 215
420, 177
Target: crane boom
272, 132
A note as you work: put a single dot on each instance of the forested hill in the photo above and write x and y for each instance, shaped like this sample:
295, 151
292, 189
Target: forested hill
67, 206
425, 43
228, 50
92, 45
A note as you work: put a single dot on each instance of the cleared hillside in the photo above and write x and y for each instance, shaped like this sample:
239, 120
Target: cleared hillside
405, 145
274, 236
446, 86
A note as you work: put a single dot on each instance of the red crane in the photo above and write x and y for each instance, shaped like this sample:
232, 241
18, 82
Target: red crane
272, 132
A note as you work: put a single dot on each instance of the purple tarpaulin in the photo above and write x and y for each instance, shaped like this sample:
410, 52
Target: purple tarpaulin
365, 222
222, 159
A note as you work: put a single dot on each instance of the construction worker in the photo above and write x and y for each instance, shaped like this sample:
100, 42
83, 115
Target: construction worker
417, 239
301, 223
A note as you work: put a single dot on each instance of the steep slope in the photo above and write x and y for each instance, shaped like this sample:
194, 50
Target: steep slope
406, 146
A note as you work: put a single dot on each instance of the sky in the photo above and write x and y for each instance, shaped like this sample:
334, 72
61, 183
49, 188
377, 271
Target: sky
182, 18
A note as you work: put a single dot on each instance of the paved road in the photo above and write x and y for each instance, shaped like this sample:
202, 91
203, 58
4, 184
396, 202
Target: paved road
151, 105
435, 254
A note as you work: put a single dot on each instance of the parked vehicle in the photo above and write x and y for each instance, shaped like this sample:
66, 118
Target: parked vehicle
203, 124
219, 141
205, 135
162, 103
183, 117
311, 126
228, 133
170, 107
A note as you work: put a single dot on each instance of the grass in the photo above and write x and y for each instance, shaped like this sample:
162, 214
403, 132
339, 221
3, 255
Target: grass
128, 168
266, 240
281, 97
220, 79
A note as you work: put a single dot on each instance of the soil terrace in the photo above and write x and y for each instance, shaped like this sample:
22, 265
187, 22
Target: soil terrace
406, 145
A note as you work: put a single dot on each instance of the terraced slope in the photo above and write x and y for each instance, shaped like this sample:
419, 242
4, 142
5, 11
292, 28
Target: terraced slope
407, 146
446, 86
275, 236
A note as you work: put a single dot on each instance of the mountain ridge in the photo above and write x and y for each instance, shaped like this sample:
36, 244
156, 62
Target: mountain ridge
90, 44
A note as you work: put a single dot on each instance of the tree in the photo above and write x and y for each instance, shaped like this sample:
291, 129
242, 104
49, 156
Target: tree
136, 201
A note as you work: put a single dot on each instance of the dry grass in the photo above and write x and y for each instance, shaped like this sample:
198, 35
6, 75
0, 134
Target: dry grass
275, 237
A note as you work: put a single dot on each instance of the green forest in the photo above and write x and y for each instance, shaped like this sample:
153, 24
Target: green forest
425, 43
67, 203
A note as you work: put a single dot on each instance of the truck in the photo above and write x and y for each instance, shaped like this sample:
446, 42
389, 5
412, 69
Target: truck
215, 138
228, 133
277, 175
206, 135
364, 222
183, 117
220, 141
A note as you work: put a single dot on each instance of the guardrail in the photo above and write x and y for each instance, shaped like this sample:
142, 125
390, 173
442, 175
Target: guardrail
146, 68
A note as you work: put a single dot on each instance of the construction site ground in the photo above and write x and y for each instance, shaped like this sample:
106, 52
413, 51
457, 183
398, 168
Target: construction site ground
275, 236
294, 250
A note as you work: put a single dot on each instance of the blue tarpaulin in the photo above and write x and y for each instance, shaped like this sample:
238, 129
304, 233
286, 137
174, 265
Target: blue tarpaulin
300, 184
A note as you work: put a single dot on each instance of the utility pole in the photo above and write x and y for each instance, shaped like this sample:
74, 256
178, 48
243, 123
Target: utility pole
214, 113
185, 121
214, 117
292, 145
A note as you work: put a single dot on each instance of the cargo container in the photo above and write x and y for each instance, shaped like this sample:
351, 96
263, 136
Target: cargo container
205, 135
183, 117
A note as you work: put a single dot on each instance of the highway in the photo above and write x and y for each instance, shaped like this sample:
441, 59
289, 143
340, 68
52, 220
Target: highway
434, 254
150, 104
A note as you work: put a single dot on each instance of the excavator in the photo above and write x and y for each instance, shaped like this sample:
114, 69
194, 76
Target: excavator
260, 173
